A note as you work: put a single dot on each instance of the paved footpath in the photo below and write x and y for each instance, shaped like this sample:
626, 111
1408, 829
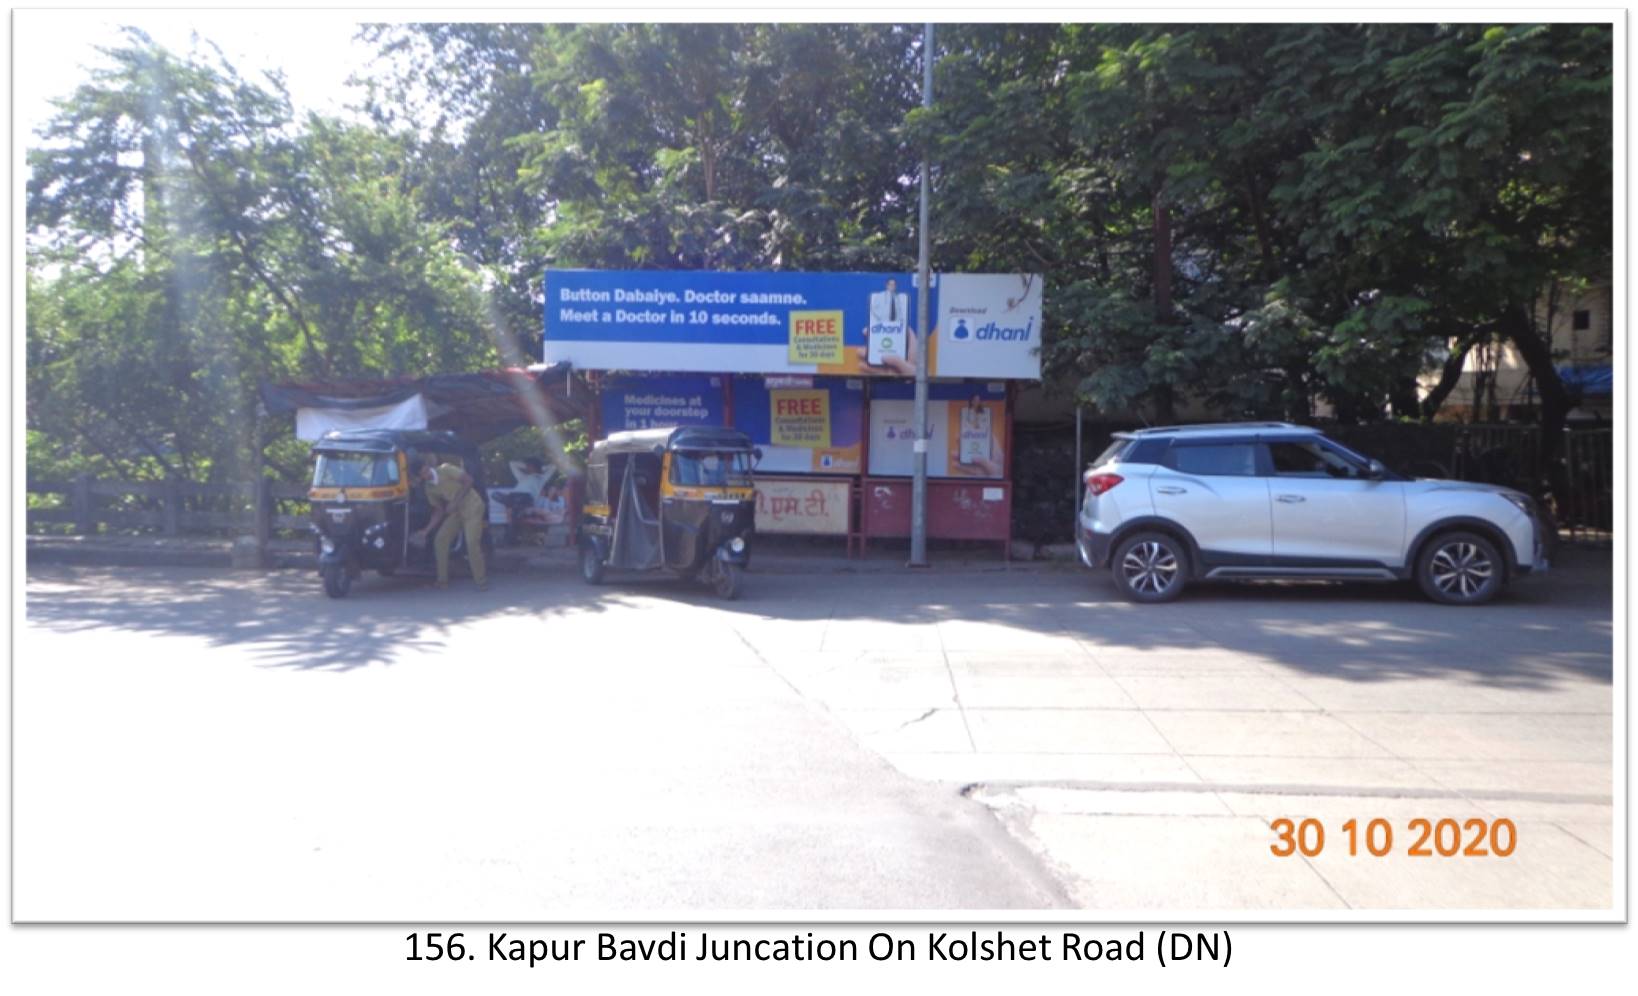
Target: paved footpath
1141, 753
1146, 751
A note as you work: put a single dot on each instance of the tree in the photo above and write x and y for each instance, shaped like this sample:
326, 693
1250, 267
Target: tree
192, 239
1259, 216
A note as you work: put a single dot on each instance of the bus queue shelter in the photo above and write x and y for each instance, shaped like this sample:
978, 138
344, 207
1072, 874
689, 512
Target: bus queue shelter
817, 368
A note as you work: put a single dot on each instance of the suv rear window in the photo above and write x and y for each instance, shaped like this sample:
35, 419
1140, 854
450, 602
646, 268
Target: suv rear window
1133, 451
1216, 459
1113, 452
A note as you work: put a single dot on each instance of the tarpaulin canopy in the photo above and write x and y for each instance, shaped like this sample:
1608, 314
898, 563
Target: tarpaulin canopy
1589, 379
476, 406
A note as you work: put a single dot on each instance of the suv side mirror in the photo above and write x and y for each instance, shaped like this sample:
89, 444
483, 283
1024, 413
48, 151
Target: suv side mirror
1376, 471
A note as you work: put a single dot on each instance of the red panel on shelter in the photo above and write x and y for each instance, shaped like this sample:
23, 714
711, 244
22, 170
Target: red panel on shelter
965, 510
955, 509
887, 511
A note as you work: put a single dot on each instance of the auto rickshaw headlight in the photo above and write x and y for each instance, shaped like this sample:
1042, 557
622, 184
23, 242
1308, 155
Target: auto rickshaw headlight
737, 544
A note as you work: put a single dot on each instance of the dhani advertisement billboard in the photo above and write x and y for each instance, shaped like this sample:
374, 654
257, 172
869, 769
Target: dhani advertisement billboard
838, 324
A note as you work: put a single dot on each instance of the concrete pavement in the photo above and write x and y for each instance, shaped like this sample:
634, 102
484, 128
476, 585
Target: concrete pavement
1140, 752
1145, 750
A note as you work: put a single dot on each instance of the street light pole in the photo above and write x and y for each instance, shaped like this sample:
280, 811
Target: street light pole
918, 480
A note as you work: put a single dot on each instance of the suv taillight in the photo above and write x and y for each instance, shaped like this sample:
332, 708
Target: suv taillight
1097, 484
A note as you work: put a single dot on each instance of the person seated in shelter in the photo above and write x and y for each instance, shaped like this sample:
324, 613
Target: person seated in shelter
554, 504
531, 477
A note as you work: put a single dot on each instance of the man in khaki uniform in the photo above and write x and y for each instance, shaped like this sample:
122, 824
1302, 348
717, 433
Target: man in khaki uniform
457, 507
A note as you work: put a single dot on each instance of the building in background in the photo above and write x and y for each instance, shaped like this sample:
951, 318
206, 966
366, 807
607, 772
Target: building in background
1496, 385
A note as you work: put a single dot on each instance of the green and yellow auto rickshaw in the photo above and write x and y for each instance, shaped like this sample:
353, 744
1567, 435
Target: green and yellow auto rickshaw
677, 499
364, 506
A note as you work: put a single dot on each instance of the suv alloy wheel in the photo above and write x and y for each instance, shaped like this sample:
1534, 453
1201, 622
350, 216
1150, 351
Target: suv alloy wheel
1150, 567
1460, 568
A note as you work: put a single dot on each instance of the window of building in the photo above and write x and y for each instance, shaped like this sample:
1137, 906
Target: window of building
1581, 321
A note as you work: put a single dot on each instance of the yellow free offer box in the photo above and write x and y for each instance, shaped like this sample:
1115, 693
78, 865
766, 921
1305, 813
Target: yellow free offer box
816, 337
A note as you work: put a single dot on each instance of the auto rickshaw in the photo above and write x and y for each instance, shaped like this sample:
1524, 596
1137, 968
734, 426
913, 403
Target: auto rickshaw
364, 505
670, 499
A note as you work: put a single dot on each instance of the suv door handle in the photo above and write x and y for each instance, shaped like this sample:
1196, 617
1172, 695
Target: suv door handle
1290, 499
1172, 491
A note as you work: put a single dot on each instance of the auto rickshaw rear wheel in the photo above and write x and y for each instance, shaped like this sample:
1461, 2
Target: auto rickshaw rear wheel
337, 582
727, 580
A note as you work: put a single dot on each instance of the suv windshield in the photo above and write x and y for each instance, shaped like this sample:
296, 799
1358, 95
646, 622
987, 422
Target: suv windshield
711, 468
355, 470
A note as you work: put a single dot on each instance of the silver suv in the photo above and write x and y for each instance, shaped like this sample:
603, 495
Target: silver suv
1249, 500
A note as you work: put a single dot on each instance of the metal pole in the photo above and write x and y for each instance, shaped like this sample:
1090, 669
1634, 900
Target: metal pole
1079, 467
918, 482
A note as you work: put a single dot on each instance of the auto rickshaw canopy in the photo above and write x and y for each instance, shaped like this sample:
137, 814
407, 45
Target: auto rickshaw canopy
687, 437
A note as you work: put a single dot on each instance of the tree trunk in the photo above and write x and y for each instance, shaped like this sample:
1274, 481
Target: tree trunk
1537, 352
1259, 222
1403, 401
1162, 261
1295, 402
1449, 376
1164, 396
1165, 404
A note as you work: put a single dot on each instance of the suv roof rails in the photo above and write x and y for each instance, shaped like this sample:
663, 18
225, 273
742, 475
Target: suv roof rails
1220, 427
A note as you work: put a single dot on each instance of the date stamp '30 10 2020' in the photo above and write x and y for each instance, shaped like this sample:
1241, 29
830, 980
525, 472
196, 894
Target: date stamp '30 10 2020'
1446, 838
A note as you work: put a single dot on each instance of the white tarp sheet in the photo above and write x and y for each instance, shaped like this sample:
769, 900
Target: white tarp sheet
312, 423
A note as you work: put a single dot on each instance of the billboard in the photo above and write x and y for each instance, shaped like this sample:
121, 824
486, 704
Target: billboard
803, 323
805, 425
835, 324
651, 402
966, 430
989, 325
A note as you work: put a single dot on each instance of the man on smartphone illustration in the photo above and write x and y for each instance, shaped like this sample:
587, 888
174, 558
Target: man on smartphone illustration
889, 332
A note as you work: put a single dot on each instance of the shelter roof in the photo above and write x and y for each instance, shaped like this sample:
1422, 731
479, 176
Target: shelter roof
476, 406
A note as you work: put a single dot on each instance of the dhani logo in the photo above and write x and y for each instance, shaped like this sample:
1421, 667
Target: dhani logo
995, 331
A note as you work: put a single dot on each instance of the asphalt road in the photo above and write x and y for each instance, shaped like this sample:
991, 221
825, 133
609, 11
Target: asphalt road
204, 745
201, 744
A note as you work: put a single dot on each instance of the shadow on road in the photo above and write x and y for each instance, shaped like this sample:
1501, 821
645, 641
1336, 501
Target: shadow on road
1537, 634
282, 617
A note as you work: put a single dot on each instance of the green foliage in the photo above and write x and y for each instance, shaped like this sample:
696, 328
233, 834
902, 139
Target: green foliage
1257, 216
190, 238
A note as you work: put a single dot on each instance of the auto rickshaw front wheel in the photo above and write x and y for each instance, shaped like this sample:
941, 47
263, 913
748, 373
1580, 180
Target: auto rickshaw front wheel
591, 563
727, 579
337, 582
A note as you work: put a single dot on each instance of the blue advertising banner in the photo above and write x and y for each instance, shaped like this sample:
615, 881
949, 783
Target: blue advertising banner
805, 425
844, 324
637, 402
